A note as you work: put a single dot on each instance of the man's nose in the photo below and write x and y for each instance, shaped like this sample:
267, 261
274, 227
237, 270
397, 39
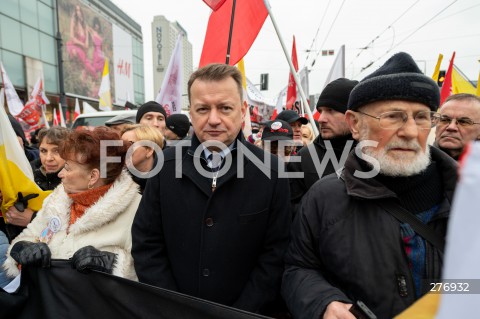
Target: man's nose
452, 126
409, 130
213, 117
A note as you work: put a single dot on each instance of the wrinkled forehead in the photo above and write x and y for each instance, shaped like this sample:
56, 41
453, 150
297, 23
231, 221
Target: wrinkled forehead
461, 108
380, 107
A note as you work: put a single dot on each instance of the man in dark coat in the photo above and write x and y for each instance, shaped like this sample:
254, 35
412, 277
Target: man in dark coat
346, 246
332, 145
214, 223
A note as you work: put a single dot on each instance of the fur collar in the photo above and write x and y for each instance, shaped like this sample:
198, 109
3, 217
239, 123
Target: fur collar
107, 208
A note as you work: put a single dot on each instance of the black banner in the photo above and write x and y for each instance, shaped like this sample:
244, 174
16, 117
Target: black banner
63, 292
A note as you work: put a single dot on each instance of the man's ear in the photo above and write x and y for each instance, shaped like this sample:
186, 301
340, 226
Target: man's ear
244, 110
353, 120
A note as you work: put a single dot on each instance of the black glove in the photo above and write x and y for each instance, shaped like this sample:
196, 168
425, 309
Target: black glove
28, 253
22, 202
89, 258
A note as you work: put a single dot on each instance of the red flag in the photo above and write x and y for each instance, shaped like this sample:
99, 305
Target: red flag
249, 18
292, 86
56, 117
214, 4
447, 83
76, 112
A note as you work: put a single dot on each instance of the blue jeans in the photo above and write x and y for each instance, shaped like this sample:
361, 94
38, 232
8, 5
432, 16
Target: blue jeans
4, 280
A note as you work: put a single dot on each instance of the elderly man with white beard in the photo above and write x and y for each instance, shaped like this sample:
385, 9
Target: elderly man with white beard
375, 233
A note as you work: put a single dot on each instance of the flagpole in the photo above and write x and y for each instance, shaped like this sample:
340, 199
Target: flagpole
292, 68
227, 60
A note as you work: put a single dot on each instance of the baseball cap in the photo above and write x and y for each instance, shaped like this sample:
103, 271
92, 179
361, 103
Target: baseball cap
277, 130
291, 116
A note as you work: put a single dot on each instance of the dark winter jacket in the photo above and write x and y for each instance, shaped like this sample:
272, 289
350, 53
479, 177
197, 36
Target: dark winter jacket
313, 172
345, 247
46, 181
225, 246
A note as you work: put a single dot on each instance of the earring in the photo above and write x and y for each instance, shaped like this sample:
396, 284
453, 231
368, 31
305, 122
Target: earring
90, 186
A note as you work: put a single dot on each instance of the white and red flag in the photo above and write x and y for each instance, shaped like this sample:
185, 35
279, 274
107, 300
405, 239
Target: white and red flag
32, 112
170, 95
292, 86
56, 117
447, 83
15, 105
214, 4
247, 22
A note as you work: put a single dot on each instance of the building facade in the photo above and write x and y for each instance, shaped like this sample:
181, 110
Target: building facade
91, 32
164, 38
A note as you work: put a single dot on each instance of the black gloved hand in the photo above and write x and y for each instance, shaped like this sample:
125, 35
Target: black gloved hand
28, 253
22, 202
89, 258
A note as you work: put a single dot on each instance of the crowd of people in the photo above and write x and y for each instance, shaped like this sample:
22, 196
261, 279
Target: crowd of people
211, 214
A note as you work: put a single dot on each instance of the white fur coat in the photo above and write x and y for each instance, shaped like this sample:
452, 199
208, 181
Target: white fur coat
106, 225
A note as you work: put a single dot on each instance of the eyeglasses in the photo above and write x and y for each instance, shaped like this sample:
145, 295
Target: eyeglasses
463, 121
396, 119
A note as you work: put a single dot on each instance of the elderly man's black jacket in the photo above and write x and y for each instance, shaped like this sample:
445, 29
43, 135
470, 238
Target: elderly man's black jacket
345, 247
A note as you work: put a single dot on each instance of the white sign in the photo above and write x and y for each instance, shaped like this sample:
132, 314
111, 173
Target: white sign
122, 64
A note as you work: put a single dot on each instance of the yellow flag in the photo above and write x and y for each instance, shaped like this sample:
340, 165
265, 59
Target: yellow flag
105, 103
15, 171
247, 124
478, 84
424, 308
241, 68
436, 72
460, 84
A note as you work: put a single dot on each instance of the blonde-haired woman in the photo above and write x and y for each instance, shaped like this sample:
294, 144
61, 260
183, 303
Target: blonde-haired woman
307, 134
142, 159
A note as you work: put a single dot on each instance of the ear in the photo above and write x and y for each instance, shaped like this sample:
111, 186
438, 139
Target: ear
94, 176
149, 151
353, 121
244, 109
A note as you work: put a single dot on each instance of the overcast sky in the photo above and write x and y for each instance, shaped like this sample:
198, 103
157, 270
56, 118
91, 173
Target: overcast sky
383, 27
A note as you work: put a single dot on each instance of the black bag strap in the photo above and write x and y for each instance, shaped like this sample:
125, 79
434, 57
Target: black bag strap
420, 228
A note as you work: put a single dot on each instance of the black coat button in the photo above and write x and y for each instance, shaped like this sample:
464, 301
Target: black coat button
206, 272
209, 222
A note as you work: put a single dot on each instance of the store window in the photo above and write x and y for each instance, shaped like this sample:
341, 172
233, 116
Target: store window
45, 18
10, 8
30, 42
10, 34
50, 76
28, 12
49, 2
47, 45
13, 64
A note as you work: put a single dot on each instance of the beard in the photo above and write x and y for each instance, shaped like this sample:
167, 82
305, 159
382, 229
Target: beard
394, 164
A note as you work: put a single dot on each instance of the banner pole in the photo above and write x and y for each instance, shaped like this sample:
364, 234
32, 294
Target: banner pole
227, 60
292, 69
